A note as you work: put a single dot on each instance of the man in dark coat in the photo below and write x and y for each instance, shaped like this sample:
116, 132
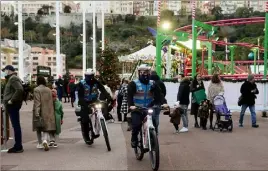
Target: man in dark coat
248, 90
157, 109
183, 99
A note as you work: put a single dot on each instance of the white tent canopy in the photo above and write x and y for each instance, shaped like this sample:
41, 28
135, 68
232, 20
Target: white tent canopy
147, 53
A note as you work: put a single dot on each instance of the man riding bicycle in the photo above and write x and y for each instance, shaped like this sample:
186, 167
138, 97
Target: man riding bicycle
86, 94
142, 93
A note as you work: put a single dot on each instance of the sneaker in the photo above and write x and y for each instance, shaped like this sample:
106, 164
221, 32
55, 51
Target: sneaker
176, 132
55, 145
51, 143
45, 144
39, 146
14, 150
241, 125
255, 126
184, 129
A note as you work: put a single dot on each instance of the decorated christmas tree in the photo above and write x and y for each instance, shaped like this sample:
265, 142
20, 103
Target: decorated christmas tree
108, 67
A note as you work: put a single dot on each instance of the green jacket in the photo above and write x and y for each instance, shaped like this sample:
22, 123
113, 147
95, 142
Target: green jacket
58, 115
13, 90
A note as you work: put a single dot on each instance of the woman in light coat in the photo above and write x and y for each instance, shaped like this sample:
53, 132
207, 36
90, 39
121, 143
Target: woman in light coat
214, 89
43, 113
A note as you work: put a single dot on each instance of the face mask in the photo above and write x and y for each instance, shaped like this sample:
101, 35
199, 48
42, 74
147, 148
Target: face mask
179, 80
88, 78
6, 72
144, 78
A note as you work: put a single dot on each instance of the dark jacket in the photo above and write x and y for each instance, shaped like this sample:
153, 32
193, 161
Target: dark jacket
80, 89
160, 83
184, 92
248, 97
13, 90
155, 90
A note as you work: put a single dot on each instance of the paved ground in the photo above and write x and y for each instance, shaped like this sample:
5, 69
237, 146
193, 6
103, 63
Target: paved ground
72, 153
243, 149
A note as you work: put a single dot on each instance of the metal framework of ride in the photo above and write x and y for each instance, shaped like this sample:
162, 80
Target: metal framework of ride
191, 31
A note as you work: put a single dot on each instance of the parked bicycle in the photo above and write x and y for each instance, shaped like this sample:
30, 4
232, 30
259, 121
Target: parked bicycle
96, 125
147, 139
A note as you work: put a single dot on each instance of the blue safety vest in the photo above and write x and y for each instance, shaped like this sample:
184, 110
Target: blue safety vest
143, 96
94, 93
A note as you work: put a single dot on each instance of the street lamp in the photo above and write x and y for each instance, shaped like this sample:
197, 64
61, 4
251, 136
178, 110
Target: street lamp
166, 25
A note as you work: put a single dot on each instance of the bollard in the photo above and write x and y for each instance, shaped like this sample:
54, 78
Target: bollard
4, 130
264, 114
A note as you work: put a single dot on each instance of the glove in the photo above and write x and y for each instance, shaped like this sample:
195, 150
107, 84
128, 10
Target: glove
165, 106
132, 107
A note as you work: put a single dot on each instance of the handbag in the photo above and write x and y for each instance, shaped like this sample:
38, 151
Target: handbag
199, 96
39, 122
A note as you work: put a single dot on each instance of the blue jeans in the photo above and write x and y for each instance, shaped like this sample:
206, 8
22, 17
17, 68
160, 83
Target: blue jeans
252, 111
184, 116
14, 114
155, 117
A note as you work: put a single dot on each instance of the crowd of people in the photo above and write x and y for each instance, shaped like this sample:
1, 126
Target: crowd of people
146, 91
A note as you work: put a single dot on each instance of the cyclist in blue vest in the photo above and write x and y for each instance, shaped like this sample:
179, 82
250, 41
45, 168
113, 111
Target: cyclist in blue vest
87, 92
142, 92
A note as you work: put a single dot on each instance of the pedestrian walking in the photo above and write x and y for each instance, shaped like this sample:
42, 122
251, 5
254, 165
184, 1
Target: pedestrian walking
119, 102
124, 106
157, 107
71, 89
59, 83
196, 85
12, 100
215, 88
248, 92
183, 99
43, 113
58, 119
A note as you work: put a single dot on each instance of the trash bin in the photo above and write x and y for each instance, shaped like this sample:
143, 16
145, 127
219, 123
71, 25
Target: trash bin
2, 126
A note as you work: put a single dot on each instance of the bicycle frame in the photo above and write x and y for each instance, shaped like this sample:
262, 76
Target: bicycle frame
146, 127
96, 116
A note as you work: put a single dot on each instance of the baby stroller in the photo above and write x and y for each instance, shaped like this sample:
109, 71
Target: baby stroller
223, 114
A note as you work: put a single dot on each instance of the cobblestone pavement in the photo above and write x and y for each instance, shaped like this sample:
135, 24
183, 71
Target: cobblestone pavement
243, 149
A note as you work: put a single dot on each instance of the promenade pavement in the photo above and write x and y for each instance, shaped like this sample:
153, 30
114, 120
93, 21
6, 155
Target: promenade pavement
72, 153
243, 149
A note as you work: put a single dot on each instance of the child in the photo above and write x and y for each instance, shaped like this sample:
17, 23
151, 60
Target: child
58, 116
176, 117
203, 113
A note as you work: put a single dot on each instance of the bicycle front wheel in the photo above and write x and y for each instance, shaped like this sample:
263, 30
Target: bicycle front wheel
105, 134
154, 153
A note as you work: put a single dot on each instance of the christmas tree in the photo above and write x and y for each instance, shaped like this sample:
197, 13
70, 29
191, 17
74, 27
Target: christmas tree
108, 67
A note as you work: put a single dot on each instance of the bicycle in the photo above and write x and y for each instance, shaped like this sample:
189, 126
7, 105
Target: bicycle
98, 125
147, 139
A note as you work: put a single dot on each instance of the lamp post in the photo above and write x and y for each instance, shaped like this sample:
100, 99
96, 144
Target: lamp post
84, 61
58, 56
20, 38
94, 35
266, 42
103, 27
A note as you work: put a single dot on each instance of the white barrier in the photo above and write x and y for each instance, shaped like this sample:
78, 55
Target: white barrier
232, 93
